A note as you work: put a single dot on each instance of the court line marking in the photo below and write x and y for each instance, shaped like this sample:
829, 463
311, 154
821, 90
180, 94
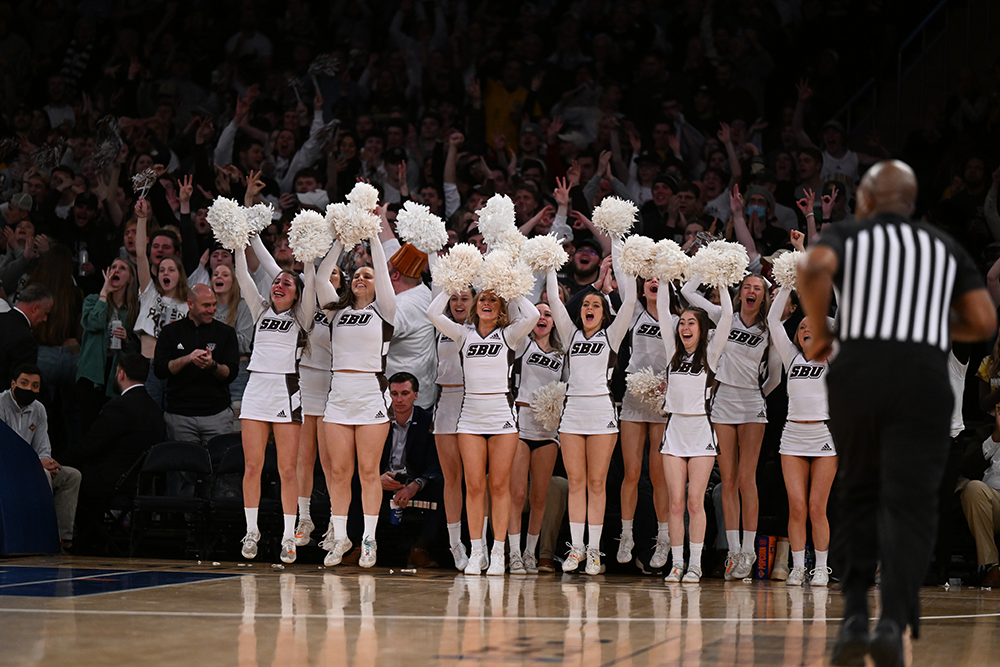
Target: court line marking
56, 581
214, 577
400, 617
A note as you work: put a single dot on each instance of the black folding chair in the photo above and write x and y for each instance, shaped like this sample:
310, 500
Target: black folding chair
226, 516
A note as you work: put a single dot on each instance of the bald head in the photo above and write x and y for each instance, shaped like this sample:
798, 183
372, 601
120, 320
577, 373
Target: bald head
201, 304
888, 187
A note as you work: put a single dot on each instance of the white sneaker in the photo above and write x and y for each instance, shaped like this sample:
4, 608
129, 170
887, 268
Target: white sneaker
368, 555
530, 563
744, 564
660, 554
336, 550
796, 576
250, 544
288, 550
820, 576
594, 561
676, 572
460, 555
731, 558
626, 543
517, 564
326, 542
477, 562
693, 575
303, 532
576, 556
498, 563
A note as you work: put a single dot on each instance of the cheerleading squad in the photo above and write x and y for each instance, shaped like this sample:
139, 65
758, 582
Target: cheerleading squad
521, 382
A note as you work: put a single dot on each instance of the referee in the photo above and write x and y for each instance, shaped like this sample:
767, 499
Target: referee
907, 291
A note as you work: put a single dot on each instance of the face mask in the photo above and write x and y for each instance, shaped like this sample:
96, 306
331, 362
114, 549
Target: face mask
24, 397
759, 210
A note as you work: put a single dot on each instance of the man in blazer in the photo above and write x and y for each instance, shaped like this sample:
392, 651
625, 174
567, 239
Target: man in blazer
17, 344
127, 427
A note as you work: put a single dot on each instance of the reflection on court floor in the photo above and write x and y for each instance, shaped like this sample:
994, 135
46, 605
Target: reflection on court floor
64, 582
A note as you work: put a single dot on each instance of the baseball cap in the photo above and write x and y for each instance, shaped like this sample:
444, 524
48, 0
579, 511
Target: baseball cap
668, 180
649, 156
394, 155
590, 243
533, 128
22, 200
836, 125
88, 199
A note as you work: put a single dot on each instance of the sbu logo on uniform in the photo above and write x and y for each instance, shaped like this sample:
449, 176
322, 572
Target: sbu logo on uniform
745, 338
354, 319
484, 350
804, 372
586, 348
269, 324
650, 330
536, 359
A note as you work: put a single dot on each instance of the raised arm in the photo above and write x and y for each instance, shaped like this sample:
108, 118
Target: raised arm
255, 302
667, 328
441, 322
325, 291
743, 234
691, 294
141, 257
779, 337
522, 326
718, 342
267, 263
385, 295
560, 316
306, 306
627, 292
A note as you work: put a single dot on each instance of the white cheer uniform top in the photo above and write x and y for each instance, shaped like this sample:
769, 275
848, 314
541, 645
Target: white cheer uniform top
647, 344
536, 368
807, 395
277, 343
486, 361
360, 339
688, 391
449, 366
319, 356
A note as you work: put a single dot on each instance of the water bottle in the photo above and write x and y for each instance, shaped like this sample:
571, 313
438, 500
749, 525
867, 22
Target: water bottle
84, 258
395, 512
116, 342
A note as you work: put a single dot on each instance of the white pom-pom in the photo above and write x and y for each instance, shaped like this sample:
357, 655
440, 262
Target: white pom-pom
671, 262
496, 222
421, 228
310, 237
615, 216
547, 404
357, 225
259, 217
505, 276
364, 196
786, 268
229, 224
542, 253
335, 215
458, 269
720, 264
648, 387
638, 256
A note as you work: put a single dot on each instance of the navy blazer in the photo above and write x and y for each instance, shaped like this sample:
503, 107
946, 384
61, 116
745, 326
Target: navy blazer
17, 344
421, 452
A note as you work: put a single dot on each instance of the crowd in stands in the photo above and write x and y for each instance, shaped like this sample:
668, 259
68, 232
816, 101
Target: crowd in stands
121, 123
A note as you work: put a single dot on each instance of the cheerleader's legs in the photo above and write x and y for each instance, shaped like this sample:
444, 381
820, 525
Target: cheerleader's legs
543, 462
587, 458
451, 469
518, 484
345, 443
739, 449
808, 481
499, 451
309, 436
633, 447
286, 438
254, 435
687, 480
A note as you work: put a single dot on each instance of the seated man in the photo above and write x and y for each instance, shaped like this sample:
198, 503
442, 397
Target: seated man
981, 504
21, 410
409, 467
127, 427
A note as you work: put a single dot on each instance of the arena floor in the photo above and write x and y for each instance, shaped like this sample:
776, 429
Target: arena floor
90, 611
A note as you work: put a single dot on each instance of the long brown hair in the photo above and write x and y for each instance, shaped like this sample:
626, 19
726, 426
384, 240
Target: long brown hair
131, 292
347, 297
230, 298
55, 271
182, 284
764, 304
699, 357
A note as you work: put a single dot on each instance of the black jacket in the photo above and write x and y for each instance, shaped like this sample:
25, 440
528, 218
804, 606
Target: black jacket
421, 453
17, 344
126, 428
196, 392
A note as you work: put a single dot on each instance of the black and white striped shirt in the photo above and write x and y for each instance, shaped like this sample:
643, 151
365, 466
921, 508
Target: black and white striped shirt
898, 279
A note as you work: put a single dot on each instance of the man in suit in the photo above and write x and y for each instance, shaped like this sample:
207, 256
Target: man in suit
17, 344
127, 427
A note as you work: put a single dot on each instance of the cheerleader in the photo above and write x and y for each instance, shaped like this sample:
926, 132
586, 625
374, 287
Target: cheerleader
446, 413
487, 427
161, 300
540, 362
638, 421
589, 427
808, 455
689, 447
272, 398
356, 417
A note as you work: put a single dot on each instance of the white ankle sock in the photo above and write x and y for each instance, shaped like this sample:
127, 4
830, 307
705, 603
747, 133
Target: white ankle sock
749, 541
477, 545
339, 527
576, 534
627, 527
678, 555
695, 559
530, 543
371, 522
251, 514
663, 532
498, 547
304, 509
455, 533
515, 542
289, 531
733, 538
821, 557
799, 558
594, 536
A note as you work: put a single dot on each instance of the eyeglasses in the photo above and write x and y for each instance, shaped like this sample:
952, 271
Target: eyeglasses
586, 251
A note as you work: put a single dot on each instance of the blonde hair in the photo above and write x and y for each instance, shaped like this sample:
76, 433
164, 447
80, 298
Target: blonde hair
473, 317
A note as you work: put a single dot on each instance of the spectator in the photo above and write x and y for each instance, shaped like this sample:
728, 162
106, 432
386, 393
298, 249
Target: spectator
17, 343
199, 357
981, 504
21, 410
584, 266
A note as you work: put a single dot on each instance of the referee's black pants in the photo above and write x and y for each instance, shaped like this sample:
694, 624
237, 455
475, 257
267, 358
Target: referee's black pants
890, 408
